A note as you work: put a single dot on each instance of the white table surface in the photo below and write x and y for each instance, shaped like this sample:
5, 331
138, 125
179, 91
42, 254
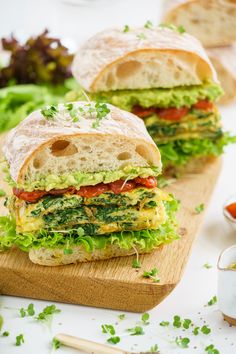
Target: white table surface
198, 284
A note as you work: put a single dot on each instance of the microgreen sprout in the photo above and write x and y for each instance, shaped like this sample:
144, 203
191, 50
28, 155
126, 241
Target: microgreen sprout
152, 274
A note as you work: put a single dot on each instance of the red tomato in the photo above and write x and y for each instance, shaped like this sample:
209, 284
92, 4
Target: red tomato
93, 191
231, 208
70, 190
173, 114
203, 104
121, 186
31, 197
149, 182
143, 112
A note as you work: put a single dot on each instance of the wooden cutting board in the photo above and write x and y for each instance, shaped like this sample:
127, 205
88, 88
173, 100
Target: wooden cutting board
114, 283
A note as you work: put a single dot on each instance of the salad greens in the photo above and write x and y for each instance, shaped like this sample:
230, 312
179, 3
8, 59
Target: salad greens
16, 102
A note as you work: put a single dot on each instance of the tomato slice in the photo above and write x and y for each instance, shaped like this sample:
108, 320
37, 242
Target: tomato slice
93, 191
121, 186
172, 114
70, 190
203, 104
149, 182
143, 112
31, 197
231, 208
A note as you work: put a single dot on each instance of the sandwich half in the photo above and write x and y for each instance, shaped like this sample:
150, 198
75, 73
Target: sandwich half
164, 76
83, 178
211, 21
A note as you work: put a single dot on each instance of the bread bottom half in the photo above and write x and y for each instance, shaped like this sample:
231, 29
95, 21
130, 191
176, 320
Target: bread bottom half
56, 256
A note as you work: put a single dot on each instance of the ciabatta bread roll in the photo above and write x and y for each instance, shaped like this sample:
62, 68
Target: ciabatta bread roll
211, 21
141, 59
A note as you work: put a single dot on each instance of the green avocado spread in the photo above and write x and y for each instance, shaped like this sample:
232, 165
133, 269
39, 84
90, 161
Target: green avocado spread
181, 96
78, 179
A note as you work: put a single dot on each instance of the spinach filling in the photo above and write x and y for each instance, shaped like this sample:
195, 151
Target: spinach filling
53, 203
144, 239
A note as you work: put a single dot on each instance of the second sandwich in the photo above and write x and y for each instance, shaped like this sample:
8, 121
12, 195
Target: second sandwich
164, 76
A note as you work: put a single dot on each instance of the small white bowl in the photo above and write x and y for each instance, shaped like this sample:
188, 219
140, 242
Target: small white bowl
231, 221
227, 285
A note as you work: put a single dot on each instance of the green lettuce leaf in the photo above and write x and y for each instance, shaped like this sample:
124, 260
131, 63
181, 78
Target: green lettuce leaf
16, 102
179, 152
145, 239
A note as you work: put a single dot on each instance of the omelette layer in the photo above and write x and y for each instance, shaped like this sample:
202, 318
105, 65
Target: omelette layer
138, 209
190, 127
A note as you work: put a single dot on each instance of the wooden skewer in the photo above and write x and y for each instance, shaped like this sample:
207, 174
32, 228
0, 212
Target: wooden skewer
87, 345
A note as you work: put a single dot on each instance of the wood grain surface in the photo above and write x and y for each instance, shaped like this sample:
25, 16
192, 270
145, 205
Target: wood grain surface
114, 283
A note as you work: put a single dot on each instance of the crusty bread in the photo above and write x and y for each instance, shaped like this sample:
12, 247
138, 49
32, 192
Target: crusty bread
40, 146
211, 21
56, 256
224, 61
141, 58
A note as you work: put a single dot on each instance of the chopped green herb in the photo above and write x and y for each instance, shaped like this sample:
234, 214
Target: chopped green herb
152, 275
205, 329
2, 193
196, 331
148, 24
141, 36
177, 322
47, 313
27, 312
207, 266
126, 29
122, 316
199, 209
101, 112
67, 251
30, 310
5, 334
210, 349
56, 343
19, 340
187, 323
22, 312
145, 318
113, 340
154, 348
72, 111
164, 323
108, 329
136, 263
179, 29
49, 112
136, 331
182, 342
1, 322
212, 301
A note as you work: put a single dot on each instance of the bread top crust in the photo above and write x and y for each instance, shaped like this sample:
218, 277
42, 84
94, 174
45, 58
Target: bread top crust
101, 52
36, 132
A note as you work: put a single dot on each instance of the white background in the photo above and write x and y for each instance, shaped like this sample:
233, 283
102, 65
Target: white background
198, 284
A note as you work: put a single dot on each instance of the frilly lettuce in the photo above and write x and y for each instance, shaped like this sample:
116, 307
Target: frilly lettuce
179, 152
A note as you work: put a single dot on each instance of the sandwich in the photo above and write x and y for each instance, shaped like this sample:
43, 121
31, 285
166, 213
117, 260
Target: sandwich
165, 77
224, 61
212, 21
83, 179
